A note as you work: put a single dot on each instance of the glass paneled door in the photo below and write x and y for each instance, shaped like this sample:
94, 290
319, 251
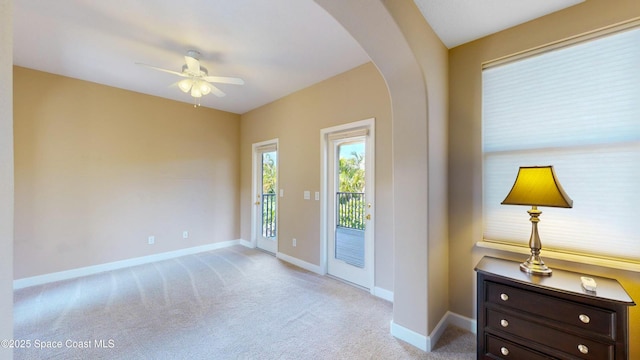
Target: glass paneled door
265, 198
350, 205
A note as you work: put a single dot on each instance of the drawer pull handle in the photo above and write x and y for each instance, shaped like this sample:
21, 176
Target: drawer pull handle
583, 349
504, 297
584, 318
504, 323
504, 351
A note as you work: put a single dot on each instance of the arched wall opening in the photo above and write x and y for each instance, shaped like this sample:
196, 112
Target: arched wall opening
373, 26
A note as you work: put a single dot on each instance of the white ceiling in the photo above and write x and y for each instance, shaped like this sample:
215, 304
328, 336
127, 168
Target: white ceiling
459, 21
276, 46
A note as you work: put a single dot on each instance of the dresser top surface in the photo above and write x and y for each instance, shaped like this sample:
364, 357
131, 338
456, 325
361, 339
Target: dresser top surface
560, 280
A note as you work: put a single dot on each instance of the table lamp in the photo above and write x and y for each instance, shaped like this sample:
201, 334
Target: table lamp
537, 186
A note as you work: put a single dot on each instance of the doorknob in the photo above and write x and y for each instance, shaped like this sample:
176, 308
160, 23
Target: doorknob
368, 216
257, 202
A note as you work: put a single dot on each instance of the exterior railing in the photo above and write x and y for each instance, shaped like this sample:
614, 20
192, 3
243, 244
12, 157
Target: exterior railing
269, 215
350, 208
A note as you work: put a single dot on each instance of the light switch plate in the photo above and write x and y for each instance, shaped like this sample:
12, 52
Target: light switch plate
317, 195
307, 195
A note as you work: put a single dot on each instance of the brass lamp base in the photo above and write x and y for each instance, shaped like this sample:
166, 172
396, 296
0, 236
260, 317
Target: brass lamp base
535, 266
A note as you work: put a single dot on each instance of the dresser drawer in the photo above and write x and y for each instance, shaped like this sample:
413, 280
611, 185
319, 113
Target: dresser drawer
598, 321
498, 348
547, 336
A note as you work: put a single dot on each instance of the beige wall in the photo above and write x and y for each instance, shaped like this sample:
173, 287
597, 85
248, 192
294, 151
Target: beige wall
6, 175
296, 120
99, 169
465, 188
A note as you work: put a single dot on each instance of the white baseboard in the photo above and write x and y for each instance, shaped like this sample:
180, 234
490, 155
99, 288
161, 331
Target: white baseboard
383, 293
460, 321
95, 269
426, 343
418, 340
246, 243
300, 263
453, 319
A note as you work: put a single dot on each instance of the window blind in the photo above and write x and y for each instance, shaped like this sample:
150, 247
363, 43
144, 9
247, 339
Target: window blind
271, 147
348, 134
576, 108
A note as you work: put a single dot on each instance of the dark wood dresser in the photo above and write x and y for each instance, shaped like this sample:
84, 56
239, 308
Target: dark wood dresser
522, 316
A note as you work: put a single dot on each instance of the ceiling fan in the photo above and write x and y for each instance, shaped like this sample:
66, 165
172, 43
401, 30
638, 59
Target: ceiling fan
196, 77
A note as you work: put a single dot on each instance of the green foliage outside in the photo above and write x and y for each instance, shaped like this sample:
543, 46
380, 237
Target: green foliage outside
268, 174
351, 206
352, 173
268, 202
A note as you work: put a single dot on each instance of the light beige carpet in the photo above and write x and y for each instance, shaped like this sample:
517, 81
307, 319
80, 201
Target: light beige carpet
234, 303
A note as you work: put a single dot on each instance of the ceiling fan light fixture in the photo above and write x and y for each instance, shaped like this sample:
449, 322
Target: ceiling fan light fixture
185, 85
195, 92
205, 87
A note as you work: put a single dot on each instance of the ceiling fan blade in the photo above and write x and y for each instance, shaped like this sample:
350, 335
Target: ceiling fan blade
217, 92
161, 69
224, 80
193, 65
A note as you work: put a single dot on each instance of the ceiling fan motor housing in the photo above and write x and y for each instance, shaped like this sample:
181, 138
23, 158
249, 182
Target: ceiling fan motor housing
194, 54
203, 70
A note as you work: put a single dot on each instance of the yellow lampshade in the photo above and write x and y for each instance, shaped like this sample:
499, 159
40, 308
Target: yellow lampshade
537, 186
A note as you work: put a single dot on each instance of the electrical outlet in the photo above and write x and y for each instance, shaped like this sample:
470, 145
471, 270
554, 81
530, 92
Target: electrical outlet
185, 234
152, 240
294, 242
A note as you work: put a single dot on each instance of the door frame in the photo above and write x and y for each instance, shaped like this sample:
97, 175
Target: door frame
368, 124
254, 189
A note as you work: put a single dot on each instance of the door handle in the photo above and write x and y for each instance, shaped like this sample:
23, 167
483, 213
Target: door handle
368, 217
257, 202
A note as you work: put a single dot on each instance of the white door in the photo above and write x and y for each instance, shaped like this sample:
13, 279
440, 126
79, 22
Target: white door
265, 200
350, 204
